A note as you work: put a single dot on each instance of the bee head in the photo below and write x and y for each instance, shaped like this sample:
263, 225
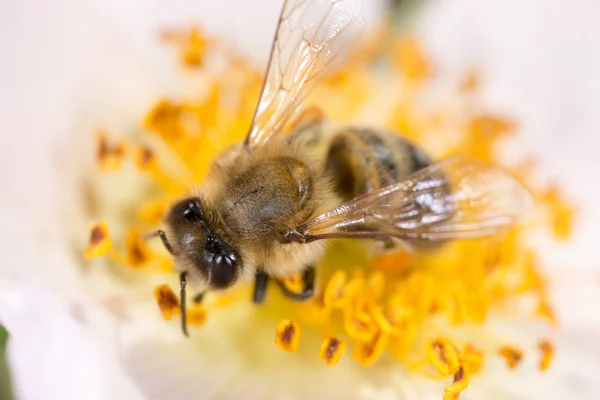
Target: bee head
196, 246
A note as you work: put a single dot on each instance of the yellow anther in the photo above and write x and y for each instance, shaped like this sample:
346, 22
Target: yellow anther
335, 293
145, 158
381, 320
99, 242
367, 352
461, 380
441, 353
196, 315
153, 212
287, 336
331, 350
294, 283
547, 354
138, 253
109, 155
167, 301
512, 355
411, 59
472, 358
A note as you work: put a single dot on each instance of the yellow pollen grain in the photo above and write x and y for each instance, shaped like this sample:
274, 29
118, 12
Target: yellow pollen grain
358, 325
99, 242
334, 294
471, 81
287, 336
192, 45
144, 158
294, 283
451, 396
442, 355
461, 380
167, 301
392, 264
331, 350
196, 315
109, 155
547, 351
512, 355
366, 352
544, 309
411, 60
382, 320
153, 212
561, 214
472, 358
137, 252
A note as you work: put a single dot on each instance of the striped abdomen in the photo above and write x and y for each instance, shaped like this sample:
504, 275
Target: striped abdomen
362, 160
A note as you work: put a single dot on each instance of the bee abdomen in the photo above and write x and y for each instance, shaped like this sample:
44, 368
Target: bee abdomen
363, 160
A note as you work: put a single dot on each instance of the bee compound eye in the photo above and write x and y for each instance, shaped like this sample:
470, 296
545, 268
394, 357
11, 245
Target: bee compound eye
224, 270
192, 212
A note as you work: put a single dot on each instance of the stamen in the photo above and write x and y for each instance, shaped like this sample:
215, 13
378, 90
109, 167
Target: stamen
334, 294
167, 301
294, 283
441, 353
368, 351
512, 355
461, 381
287, 336
110, 155
331, 350
99, 242
547, 354
138, 254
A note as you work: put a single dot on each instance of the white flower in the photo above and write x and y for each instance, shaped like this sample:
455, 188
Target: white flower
71, 66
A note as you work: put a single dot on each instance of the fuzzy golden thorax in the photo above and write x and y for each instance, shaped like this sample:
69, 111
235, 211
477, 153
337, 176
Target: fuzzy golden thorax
250, 198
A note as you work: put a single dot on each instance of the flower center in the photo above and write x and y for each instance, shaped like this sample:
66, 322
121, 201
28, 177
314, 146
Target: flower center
429, 310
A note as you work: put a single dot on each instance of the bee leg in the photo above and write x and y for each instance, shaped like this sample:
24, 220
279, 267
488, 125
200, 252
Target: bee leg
260, 286
309, 286
198, 298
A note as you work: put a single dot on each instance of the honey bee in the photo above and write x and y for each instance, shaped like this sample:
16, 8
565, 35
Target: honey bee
270, 203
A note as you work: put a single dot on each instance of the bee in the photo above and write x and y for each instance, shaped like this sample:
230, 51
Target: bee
269, 204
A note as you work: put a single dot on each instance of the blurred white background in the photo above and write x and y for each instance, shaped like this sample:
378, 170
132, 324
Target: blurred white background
69, 65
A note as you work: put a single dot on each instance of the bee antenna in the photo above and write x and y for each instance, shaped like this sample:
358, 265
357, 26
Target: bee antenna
183, 283
163, 237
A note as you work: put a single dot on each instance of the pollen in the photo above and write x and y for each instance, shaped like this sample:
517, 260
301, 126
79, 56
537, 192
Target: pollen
196, 315
366, 352
512, 356
99, 242
442, 355
294, 283
144, 158
192, 44
287, 336
547, 351
412, 60
153, 212
335, 294
109, 155
331, 350
167, 301
428, 310
461, 381
138, 253
561, 214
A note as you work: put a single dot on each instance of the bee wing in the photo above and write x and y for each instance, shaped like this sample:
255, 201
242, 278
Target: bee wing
458, 198
311, 34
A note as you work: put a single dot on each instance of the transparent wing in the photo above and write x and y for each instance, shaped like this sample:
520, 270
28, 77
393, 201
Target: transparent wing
460, 197
311, 34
